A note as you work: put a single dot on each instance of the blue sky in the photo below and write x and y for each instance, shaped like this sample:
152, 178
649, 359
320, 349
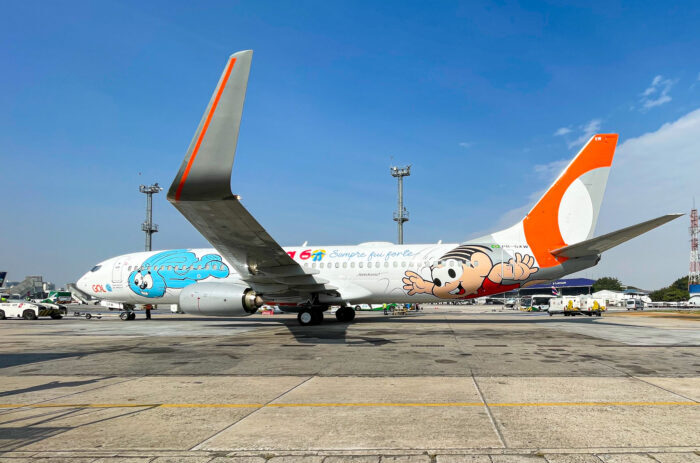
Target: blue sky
99, 97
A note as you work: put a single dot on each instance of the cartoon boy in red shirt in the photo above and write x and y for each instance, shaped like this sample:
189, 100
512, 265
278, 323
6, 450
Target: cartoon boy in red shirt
471, 274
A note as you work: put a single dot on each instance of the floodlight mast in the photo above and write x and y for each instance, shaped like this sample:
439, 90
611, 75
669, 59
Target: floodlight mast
148, 226
401, 215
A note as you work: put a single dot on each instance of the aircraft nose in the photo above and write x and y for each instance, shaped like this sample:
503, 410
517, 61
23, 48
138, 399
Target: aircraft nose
82, 283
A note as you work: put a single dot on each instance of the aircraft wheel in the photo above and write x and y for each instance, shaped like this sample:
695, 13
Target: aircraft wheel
350, 316
56, 316
2, 314
317, 317
88, 316
124, 316
29, 315
305, 318
132, 316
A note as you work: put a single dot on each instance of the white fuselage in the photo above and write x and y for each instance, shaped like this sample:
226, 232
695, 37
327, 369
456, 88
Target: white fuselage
366, 273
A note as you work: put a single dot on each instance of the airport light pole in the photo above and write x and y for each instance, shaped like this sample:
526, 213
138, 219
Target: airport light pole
401, 215
148, 226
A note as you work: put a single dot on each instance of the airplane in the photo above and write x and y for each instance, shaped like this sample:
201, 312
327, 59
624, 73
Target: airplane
247, 268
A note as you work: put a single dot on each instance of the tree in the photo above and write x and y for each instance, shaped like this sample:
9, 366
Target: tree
610, 283
676, 292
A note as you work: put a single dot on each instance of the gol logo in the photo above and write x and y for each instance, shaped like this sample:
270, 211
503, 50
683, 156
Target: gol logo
98, 289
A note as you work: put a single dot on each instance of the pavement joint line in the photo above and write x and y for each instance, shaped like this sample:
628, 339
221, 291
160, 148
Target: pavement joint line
199, 446
353, 404
496, 429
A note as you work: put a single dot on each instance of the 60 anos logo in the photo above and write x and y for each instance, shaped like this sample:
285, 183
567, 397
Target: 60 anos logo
315, 255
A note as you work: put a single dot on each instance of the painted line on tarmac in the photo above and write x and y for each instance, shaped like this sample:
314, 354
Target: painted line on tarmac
351, 404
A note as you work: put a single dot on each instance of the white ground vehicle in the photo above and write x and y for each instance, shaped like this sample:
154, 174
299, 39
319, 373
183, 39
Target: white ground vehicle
592, 306
634, 304
17, 308
568, 305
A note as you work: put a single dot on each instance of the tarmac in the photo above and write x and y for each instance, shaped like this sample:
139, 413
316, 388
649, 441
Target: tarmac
448, 384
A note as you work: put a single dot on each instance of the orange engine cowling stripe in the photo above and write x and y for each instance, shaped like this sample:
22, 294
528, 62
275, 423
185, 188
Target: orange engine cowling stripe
227, 73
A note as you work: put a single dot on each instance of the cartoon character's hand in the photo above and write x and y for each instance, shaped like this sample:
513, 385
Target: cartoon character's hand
415, 284
523, 266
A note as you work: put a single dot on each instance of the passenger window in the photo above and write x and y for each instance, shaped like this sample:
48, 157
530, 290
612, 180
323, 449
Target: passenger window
396, 264
345, 265
352, 264
337, 265
321, 265
377, 264
313, 265
360, 264
386, 264
403, 264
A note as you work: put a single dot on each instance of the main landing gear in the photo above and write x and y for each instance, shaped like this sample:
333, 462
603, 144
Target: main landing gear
345, 314
310, 316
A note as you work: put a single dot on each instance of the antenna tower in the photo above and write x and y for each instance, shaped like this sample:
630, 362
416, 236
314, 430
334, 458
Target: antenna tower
694, 274
401, 215
148, 226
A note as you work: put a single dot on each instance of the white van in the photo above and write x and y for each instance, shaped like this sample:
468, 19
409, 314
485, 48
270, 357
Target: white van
634, 304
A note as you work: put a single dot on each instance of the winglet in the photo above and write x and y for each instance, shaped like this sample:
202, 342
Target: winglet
205, 172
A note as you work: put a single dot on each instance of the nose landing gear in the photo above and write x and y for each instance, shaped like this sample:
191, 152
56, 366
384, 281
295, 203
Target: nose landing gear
127, 315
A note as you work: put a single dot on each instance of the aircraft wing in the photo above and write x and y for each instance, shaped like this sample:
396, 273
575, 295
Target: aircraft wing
602, 243
201, 191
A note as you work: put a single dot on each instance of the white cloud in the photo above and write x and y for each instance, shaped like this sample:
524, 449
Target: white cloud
652, 175
562, 131
657, 93
466, 144
587, 131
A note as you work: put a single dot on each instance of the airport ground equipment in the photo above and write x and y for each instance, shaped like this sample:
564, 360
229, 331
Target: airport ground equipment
17, 308
571, 306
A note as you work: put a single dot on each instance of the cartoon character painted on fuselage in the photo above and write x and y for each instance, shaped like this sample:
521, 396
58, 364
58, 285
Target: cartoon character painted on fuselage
174, 269
475, 275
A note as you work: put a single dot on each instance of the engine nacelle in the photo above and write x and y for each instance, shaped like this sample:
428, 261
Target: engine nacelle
219, 299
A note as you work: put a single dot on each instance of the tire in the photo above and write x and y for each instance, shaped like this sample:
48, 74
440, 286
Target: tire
29, 314
124, 316
56, 316
341, 314
305, 318
357, 307
350, 315
2, 314
317, 317
88, 316
132, 316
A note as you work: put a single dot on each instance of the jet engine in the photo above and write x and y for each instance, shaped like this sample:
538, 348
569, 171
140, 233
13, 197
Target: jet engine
219, 299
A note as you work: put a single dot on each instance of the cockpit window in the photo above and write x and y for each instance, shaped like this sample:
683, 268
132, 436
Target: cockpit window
96, 268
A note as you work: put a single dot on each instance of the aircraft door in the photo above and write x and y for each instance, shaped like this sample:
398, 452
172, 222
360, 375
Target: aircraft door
117, 272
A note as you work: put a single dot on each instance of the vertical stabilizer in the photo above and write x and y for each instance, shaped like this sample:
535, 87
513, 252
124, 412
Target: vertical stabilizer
568, 211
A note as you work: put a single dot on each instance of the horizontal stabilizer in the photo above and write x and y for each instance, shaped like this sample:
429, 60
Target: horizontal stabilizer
602, 243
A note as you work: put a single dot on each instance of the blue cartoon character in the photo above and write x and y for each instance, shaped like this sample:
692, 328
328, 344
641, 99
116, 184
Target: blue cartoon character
174, 269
